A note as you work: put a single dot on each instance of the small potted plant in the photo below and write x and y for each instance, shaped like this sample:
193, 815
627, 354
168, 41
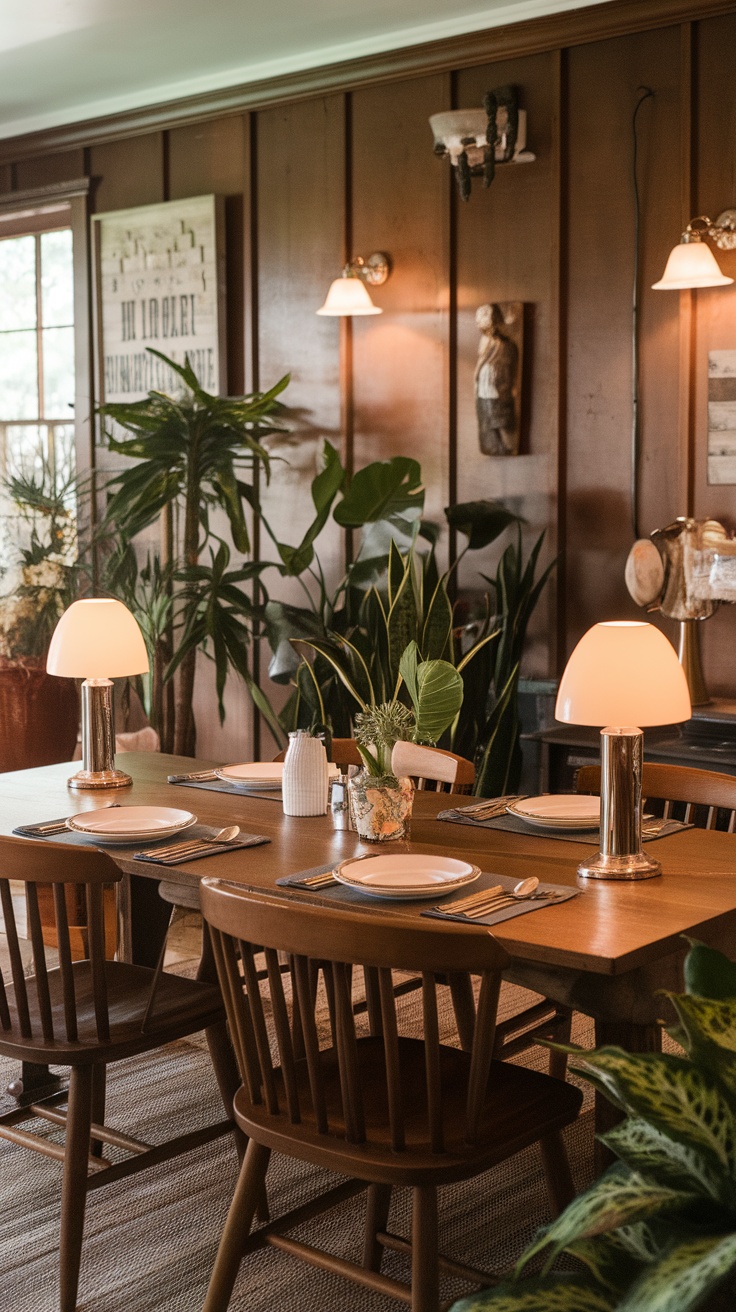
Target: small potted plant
382, 802
39, 714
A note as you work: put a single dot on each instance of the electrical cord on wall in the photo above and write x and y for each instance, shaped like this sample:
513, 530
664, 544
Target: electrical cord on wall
645, 94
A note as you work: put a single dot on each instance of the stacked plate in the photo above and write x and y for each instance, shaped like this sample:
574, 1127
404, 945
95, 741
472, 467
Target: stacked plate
558, 811
259, 776
130, 824
404, 877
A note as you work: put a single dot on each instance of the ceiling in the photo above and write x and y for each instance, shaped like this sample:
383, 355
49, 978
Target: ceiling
63, 61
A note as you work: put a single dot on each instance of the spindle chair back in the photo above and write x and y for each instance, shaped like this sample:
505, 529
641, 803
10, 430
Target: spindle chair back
678, 792
433, 768
384, 1108
85, 1014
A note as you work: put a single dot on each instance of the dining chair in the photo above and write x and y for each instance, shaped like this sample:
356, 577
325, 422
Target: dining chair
432, 766
381, 1109
698, 795
85, 1014
343, 752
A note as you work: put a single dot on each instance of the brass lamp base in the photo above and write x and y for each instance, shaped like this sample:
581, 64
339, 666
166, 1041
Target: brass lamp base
636, 865
621, 856
99, 779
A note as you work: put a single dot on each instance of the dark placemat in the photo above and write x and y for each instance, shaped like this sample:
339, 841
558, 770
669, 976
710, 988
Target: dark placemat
156, 854
67, 836
337, 892
512, 824
220, 786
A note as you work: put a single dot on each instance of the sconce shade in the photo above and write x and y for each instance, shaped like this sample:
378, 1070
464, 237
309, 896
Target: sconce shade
348, 296
97, 639
691, 264
623, 673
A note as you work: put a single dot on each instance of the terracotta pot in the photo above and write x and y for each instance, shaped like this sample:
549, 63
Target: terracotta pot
380, 812
39, 715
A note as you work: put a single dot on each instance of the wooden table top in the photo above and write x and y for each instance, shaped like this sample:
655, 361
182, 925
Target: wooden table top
613, 928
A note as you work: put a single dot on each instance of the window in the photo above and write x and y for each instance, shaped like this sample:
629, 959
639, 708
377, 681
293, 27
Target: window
37, 354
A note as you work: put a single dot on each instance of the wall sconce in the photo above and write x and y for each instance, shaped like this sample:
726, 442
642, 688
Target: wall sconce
348, 295
691, 262
476, 140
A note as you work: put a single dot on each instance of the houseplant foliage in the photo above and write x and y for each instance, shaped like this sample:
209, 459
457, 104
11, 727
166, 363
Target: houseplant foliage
38, 713
194, 454
393, 594
656, 1232
381, 801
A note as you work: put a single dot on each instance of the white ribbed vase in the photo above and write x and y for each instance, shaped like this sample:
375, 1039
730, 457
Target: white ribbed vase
304, 787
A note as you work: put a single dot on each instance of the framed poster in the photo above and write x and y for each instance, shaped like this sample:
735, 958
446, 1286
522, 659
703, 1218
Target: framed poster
160, 283
722, 417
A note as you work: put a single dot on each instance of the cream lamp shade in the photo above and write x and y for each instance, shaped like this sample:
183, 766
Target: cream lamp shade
97, 639
691, 264
623, 673
348, 295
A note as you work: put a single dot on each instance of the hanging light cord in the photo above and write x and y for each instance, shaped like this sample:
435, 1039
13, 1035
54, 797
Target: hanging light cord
645, 94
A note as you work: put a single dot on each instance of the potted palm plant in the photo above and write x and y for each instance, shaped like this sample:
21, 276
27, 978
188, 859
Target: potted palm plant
193, 453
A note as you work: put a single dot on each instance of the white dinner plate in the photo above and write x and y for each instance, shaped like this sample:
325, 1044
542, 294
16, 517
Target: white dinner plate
259, 776
559, 811
406, 876
130, 824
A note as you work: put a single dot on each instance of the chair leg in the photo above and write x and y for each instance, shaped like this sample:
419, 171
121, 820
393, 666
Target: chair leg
560, 1187
379, 1201
99, 1093
74, 1185
558, 1060
237, 1227
425, 1272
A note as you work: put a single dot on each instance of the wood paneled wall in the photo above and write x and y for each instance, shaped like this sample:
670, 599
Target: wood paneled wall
315, 180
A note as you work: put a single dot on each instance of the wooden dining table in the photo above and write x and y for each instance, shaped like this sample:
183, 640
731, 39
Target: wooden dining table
604, 953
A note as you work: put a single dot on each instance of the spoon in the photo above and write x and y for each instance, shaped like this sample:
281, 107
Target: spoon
525, 886
226, 835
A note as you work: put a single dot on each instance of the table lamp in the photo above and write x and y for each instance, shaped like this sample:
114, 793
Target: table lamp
97, 640
622, 674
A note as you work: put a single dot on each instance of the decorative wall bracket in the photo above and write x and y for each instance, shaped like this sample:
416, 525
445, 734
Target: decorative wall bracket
476, 140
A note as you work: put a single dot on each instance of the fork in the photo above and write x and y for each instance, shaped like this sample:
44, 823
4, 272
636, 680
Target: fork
493, 899
490, 806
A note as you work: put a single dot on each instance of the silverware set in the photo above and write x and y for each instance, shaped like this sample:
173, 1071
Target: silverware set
187, 846
316, 881
197, 776
59, 826
493, 899
490, 808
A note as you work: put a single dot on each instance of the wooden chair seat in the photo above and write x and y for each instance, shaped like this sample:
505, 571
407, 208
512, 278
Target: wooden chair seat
181, 1007
520, 1106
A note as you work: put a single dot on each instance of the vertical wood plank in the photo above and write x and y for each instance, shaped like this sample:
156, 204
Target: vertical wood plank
714, 308
300, 211
128, 172
605, 81
508, 251
400, 359
43, 170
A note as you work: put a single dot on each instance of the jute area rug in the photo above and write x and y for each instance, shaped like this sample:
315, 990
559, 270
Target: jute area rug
150, 1241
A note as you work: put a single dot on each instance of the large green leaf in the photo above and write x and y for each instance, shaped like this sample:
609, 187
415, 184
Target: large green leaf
437, 629
620, 1197
481, 522
283, 623
673, 1094
707, 1031
556, 1293
325, 487
708, 973
659, 1156
683, 1277
440, 696
385, 489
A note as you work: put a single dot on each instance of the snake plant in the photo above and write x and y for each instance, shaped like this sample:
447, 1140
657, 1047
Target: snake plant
657, 1231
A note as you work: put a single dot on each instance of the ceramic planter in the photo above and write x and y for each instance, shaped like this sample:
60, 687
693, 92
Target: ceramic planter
380, 812
39, 715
